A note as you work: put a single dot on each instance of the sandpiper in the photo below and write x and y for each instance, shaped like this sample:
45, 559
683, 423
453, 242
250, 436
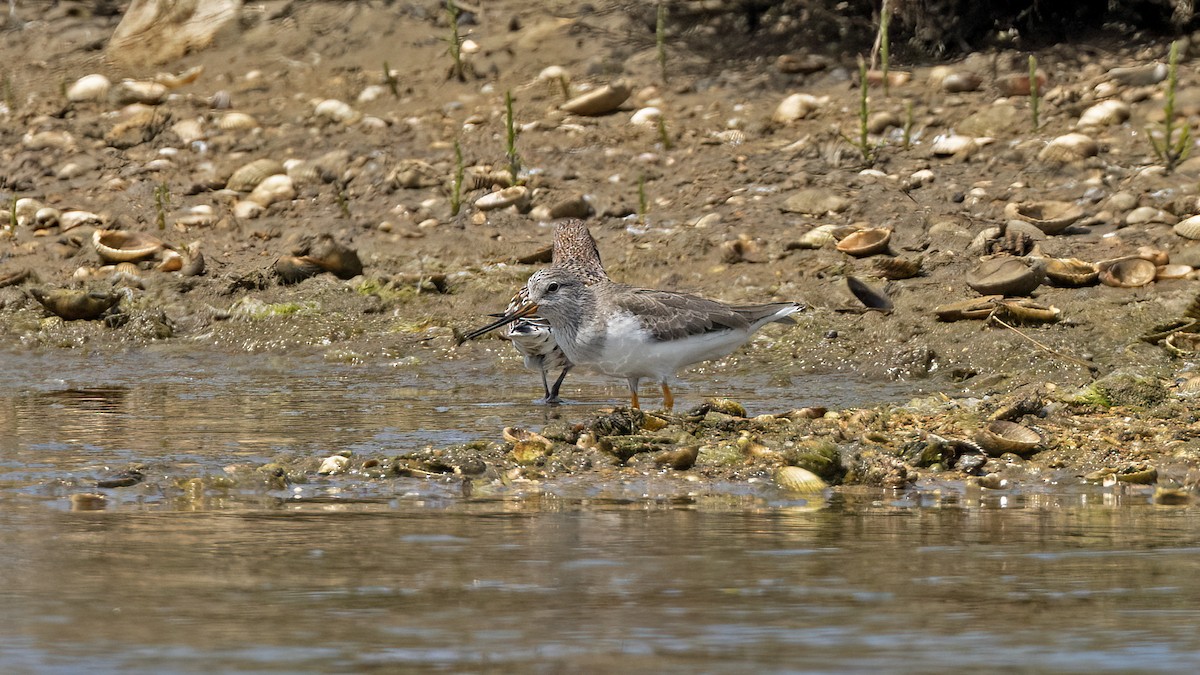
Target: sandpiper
574, 250
638, 333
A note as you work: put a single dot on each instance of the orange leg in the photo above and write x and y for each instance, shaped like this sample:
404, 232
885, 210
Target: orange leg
668, 399
633, 387
634, 401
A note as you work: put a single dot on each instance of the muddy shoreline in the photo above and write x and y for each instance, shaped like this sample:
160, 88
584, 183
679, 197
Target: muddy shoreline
729, 197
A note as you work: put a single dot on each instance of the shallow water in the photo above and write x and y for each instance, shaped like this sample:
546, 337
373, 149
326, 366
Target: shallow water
410, 574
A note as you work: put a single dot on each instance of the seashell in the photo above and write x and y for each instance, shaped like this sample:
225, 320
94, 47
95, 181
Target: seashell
1000, 437
272, 189
249, 176
1069, 148
1049, 216
895, 78
172, 261
516, 196
114, 246
25, 210
646, 116
818, 237
244, 209
1004, 276
897, 268
553, 74
73, 305
138, 91
528, 452
954, 145
865, 242
1024, 310
1188, 228
973, 308
1019, 84
334, 257
236, 121
1155, 255
173, 81
334, 464
92, 87
294, 269
1070, 272
1140, 76
48, 140
1182, 344
193, 264
126, 274
1161, 331
13, 278
188, 131
1148, 214
600, 101
47, 217
69, 220
797, 479
1130, 272
201, 215
796, 107
1138, 474
955, 83
221, 100
870, 298
1170, 272
338, 111
519, 435
1105, 113
482, 177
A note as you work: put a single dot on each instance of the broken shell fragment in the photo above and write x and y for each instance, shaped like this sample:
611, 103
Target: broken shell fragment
517, 195
138, 91
1000, 437
1188, 228
973, 308
1070, 272
1069, 148
1105, 113
1050, 216
250, 175
897, 268
114, 246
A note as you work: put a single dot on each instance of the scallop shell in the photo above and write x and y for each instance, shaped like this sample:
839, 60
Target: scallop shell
1182, 344
865, 242
1071, 272
797, 479
188, 131
92, 87
600, 101
1105, 113
1004, 276
897, 268
1069, 148
818, 237
973, 308
1188, 228
236, 121
249, 176
517, 195
1162, 331
1049, 216
1130, 272
338, 111
114, 246
1000, 437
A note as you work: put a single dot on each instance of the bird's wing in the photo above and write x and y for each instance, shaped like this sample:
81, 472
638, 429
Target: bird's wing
756, 313
673, 316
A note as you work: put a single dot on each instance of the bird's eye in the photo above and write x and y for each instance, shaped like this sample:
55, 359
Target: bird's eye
552, 286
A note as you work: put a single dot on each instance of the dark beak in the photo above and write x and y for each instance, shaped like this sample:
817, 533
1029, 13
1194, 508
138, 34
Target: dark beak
521, 312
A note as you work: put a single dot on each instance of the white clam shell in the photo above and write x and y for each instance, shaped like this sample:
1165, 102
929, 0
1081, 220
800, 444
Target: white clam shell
1105, 113
600, 101
188, 131
234, 121
92, 87
250, 175
956, 145
334, 464
139, 91
796, 107
72, 219
338, 111
273, 189
1069, 148
517, 195
646, 116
